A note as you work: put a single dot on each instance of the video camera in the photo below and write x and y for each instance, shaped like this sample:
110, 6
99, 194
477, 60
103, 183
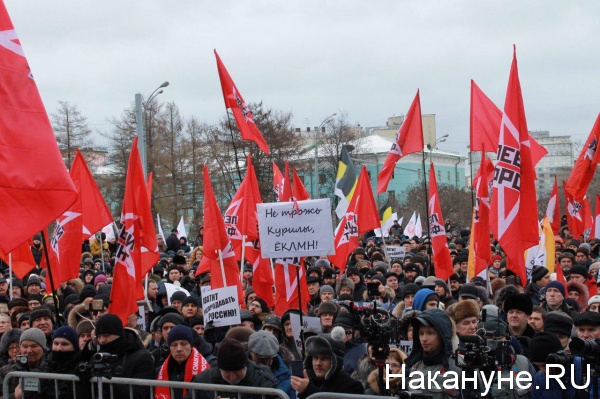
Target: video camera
100, 365
589, 350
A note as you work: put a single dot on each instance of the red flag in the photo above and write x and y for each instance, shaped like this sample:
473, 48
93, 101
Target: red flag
575, 214
553, 209
287, 185
409, 139
278, 183
35, 187
439, 242
241, 112
21, 258
286, 282
362, 216
262, 275
588, 218
486, 119
137, 249
513, 216
298, 190
596, 221
481, 225
585, 165
216, 240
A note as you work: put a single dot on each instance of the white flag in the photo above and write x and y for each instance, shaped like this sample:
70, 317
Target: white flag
386, 226
181, 229
410, 227
160, 230
418, 227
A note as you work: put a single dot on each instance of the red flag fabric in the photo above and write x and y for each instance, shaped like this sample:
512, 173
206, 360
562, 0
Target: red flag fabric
287, 184
575, 214
137, 249
585, 165
486, 119
216, 240
149, 184
596, 221
409, 139
298, 190
278, 182
262, 275
286, 283
35, 187
513, 214
587, 217
362, 215
21, 258
553, 209
439, 242
481, 223
241, 112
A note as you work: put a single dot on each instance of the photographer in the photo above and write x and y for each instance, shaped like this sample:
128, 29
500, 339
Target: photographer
33, 350
64, 358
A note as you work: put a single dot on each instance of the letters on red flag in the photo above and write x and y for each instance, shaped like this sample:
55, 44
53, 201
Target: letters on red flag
585, 165
513, 215
35, 187
362, 215
286, 282
409, 139
298, 190
553, 209
481, 224
575, 214
241, 112
439, 242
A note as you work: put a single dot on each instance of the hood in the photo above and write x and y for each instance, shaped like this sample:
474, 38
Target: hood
583, 293
422, 294
440, 321
132, 341
324, 345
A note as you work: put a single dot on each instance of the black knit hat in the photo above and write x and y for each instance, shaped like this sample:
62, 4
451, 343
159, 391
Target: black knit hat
42, 312
541, 345
181, 333
174, 318
410, 289
587, 319
558, 322
88, 291
520, 302
231, 355
578, 269
178, 260
189, 299
263, 305
469, 291
538, 273
178, 296
110, 324
345, 319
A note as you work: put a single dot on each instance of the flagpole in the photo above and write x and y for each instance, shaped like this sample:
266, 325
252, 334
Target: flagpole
237, 164
146, 295
300, 306
471, 176
243, 263
10, 279
102, 252
50, 280
222, 268
427, 206
272, 270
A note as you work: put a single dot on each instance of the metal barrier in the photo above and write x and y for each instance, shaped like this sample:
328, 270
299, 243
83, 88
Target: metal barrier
29, 381
331, 395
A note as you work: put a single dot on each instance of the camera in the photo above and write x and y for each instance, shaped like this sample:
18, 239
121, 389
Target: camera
95, 305
563, 358
582, 347
100, 365
22, 360
477, 352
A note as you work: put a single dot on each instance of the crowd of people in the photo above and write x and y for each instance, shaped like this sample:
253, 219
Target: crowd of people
64, 332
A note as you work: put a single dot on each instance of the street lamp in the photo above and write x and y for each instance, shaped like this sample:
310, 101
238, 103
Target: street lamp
316, 185
140, 109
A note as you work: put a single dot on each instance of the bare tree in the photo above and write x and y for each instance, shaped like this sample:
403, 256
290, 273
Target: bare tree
71, 130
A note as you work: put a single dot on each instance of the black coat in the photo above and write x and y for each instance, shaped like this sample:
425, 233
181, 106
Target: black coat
256, 376
339, 382
173, 243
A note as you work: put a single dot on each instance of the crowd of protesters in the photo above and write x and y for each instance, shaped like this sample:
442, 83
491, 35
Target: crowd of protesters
41, 332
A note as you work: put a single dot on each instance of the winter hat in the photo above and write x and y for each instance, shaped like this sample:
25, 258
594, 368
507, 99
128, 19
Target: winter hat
34, 334
326, 288
18, 302
34, 280
422, 297
274, 321
189, 299
178, 296
72, 299
410, 289
538, 273
520, 302
245, 315
541, 345
594, 299
442, 284
231, 355
181, 333
579, 269
329, 272
240, 333
469, 291
110, 324
429, 282
71, 335
40, 312
463, 310
492, 323
264, 344
174, 318
346, 283
558, 285
324, 345
327, 307
263, 305
587, 319
248, 292
344, 319
559, 322
195, 321
22, 318
88, 291
84, 326
10, 337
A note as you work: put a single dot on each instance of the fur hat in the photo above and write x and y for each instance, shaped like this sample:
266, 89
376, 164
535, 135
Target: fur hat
324, 345
583, 291
345, 283
240, 333
327, 307
520, 302
10, 337
463, 310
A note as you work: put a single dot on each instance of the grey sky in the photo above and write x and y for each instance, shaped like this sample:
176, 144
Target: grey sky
366, 58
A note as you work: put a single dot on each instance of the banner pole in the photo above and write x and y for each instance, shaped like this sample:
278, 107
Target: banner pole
50, 280
222, 268
242, 261
10, 275
427, 206
300, 306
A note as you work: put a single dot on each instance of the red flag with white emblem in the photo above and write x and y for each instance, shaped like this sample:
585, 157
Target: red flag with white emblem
278, 183
439, 242
362, 215
513, 216
409, 139
481, 225
286, 283
299, 192
35, 187
241, 112
553, 209
576, 214
585, 165
216, 241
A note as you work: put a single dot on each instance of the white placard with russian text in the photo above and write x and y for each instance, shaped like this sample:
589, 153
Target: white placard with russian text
221, 306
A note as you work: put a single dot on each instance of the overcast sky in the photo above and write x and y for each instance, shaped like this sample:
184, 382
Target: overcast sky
313, 58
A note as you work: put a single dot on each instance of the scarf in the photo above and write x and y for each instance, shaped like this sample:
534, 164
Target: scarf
195, 364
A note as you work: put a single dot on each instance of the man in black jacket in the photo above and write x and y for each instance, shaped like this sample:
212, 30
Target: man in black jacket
233, 368
173, 243
323, 369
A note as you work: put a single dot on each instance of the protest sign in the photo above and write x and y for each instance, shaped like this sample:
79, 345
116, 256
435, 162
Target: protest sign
141, 320
221, 306
295, 229
310, 323
406, 347
395, 251
171, 289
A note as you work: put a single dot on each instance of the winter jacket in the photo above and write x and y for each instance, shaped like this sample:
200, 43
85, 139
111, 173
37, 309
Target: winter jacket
95, 247
256, 376
41, 367
533, 292
283, 375
69, 366
173, 243
554, 390
354, 350
359, 290
521, 364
